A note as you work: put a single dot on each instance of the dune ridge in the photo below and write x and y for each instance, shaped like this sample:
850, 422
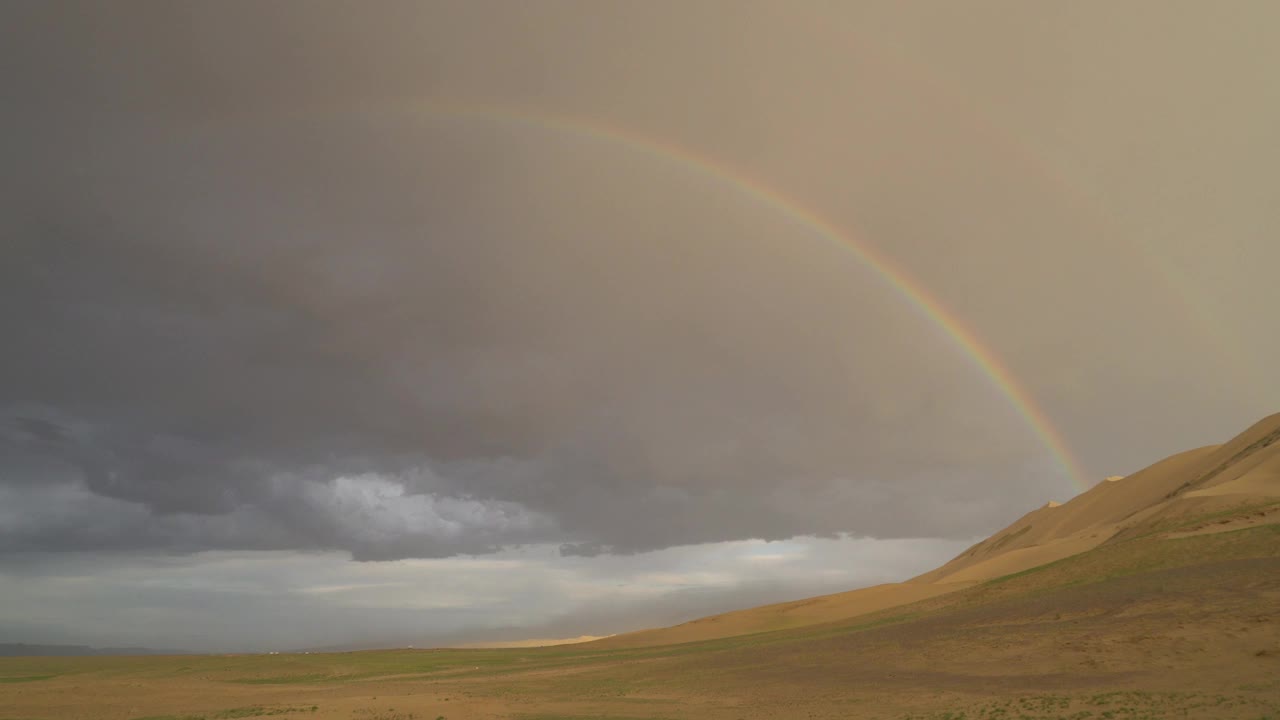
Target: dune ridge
1215, 488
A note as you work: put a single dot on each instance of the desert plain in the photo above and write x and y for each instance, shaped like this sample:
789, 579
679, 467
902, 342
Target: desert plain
1155, 595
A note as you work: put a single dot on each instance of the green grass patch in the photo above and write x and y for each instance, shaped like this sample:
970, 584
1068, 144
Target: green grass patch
308, 679
25, 678
1174, 524
1118, 705
253, 711
260, 711
1144, 554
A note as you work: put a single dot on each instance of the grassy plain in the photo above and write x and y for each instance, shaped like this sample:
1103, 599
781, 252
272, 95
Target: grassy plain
1158, 626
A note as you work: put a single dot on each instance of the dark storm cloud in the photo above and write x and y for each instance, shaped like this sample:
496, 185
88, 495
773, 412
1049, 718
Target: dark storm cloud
213, 349
253, 299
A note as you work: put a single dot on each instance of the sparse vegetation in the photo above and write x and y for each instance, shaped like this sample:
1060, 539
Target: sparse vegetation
1141, 628
1116, 705
255, 711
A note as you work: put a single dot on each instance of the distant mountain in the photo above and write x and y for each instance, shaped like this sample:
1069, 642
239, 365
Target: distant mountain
26, 650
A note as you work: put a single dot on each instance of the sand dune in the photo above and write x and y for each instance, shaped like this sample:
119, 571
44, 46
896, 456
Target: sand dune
1019, 559
1233, 484
1237, 475
798, 613
1087, 520
532, 642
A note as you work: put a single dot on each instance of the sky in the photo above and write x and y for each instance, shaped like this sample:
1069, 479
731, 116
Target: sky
334, 324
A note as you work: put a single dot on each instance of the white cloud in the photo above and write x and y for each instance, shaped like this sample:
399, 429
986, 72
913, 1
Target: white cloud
376, 508
233, 600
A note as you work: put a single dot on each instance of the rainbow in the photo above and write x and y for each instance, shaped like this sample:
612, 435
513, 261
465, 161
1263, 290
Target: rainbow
1085, 203
918, 297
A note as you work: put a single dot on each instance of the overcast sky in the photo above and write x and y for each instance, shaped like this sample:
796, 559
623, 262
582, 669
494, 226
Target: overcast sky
393, 323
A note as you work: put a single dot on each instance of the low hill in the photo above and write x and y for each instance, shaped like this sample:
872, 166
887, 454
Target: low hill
529, 643
1208, 489
1231, 483
780, 616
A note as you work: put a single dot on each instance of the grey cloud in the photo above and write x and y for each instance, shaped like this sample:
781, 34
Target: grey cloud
227, 601
148, 503
254, 299
630, 390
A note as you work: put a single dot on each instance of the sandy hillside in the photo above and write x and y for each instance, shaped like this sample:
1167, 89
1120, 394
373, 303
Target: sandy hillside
530, 643
779, 616
1238, 482
1239, 477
